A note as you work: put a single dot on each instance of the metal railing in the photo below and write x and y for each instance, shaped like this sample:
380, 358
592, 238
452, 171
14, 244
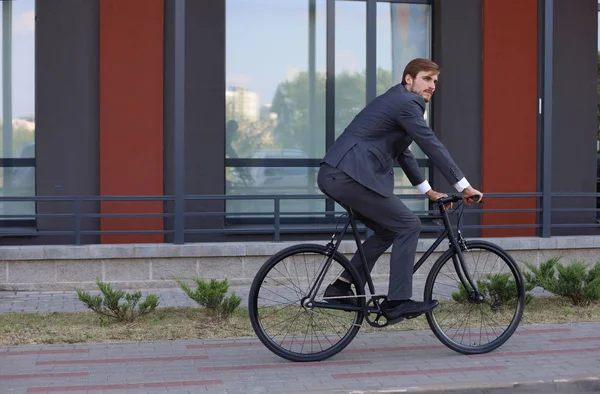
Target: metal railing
273, 221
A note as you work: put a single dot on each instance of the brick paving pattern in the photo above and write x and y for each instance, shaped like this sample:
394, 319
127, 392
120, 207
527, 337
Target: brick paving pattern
391, 361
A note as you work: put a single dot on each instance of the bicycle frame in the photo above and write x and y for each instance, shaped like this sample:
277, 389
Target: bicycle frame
455, 241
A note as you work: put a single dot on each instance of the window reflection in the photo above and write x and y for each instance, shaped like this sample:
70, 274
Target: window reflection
350, 61
275, 99
272, 181
275, 89
17, 141
275, 76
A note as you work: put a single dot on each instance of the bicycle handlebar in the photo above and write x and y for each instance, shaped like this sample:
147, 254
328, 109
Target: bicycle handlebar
454, 198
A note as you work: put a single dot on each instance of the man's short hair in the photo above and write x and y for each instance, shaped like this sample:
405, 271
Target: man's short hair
417, 65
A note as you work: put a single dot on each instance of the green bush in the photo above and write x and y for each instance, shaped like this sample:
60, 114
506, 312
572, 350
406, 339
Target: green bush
461, 296
502, 289
544, 276
109, 303
498, 290
572, 281
212, 296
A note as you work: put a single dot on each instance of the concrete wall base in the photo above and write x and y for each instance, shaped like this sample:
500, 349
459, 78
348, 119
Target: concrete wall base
147, 266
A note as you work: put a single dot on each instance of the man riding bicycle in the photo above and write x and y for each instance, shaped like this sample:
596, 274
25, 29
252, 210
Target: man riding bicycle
358, 172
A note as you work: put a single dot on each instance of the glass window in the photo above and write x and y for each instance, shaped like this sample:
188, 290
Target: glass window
275, 99
350, 61
275, 76
17, 134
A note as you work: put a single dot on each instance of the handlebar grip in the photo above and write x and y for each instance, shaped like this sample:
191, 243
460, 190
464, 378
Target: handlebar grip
455, 198
449, 199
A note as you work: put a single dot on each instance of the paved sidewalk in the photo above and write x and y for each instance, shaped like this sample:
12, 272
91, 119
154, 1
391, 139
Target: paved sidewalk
376, 363
381, 362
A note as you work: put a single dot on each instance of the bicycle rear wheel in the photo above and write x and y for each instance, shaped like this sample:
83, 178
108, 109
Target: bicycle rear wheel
469, 326
280, 320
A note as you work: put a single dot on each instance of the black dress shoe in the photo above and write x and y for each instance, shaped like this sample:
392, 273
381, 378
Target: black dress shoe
407, 309
333, 291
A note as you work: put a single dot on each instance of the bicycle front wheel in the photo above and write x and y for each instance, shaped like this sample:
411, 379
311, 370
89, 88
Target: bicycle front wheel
280, 320
472, 326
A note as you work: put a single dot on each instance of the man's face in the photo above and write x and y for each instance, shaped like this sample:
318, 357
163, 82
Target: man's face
423, 84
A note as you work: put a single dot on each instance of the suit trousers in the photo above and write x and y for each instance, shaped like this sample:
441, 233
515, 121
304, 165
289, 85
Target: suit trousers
392, 222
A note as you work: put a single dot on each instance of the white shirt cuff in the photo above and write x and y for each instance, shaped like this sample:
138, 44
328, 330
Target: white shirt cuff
423, 187
462, 184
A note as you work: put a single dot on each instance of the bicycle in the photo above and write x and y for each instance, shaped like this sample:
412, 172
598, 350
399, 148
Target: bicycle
303, 325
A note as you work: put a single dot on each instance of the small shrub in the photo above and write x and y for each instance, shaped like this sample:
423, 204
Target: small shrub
544, 276
230, 304
570, 281
212, 296
109, 303
461, 296
497, 289
502, 289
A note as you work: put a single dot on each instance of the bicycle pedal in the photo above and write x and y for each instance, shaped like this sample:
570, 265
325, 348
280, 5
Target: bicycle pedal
397, 320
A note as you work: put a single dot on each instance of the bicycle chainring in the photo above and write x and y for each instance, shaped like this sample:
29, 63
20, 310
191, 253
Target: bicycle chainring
375, 315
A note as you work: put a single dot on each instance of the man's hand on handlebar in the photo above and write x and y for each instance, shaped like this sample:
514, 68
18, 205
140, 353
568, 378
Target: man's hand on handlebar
435, 196
470, 195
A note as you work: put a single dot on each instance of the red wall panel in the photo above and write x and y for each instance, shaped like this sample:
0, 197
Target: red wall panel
131, 114
509, 140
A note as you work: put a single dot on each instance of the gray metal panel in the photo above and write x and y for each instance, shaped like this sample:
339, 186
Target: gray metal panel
67, 110
540, 115
330, 82
574, 121
547, 100
204, 110
456, 105
371, 40
179, 121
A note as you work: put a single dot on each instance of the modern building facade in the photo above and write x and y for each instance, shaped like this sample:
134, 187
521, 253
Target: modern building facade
224, 99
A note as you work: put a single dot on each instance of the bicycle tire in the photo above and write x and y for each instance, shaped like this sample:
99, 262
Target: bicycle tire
278, 345
497, 303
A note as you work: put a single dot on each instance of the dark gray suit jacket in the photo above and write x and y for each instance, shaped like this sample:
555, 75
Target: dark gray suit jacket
380, 134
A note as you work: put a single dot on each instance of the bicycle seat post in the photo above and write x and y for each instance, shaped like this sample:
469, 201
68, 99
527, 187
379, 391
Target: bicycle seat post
361, 252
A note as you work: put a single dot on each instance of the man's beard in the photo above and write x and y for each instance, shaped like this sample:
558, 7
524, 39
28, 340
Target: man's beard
426, 96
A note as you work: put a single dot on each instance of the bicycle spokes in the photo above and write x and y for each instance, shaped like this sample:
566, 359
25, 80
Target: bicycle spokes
476, 321
290, 317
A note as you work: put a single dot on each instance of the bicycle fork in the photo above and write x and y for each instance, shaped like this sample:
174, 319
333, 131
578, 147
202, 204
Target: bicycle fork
458, 243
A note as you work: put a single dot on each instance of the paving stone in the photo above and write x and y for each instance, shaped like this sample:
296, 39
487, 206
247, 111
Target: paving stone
407, 359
